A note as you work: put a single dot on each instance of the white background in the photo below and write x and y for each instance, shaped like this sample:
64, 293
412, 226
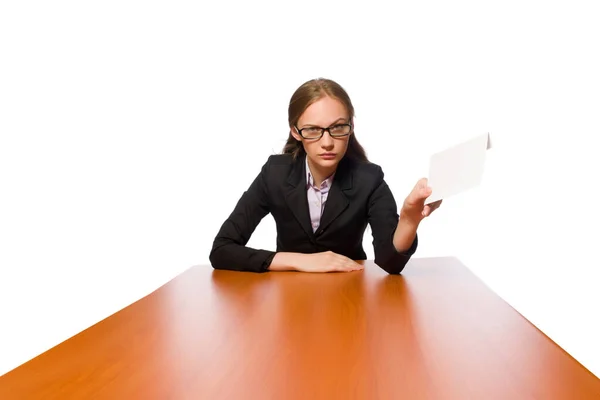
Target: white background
130, 129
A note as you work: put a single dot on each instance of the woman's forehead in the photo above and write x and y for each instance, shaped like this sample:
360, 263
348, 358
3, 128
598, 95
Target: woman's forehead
324, 111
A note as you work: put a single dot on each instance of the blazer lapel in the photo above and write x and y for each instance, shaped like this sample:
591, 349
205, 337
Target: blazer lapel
337, 202
296, 196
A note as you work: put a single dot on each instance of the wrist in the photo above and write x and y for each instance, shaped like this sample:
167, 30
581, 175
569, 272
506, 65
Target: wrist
284, 261
408, 221
405, 234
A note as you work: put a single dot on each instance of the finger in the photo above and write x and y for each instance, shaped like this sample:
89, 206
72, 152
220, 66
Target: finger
421, 183
342, 265
426, 211
350, 265
416, 197
356, 266
426, 192
348, 268
420, 193
347, 262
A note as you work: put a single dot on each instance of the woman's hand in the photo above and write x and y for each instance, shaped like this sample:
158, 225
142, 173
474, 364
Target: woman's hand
327, 261
414, 208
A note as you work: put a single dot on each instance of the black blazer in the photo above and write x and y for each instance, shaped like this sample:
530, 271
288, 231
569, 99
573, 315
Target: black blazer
358, 196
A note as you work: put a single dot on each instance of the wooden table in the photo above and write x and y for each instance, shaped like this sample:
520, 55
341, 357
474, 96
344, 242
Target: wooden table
436, 332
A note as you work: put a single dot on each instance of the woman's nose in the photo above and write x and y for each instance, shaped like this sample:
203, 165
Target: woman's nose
326, 140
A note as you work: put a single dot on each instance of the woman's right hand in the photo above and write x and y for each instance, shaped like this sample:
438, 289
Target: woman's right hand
327, 261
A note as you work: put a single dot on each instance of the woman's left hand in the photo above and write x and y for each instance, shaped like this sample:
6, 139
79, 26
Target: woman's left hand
414, 208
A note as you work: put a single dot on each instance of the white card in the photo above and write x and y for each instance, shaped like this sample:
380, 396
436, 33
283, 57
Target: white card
458, 168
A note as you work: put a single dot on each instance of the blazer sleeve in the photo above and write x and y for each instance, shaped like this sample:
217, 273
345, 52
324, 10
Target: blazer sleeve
229, 249
383, 218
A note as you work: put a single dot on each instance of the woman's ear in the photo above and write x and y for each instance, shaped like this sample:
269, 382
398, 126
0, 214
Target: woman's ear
295, 134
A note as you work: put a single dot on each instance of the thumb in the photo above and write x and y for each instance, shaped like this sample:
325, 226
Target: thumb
423, 190
420, 192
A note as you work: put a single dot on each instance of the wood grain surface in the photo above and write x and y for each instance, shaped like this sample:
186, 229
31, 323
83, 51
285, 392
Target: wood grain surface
435, 332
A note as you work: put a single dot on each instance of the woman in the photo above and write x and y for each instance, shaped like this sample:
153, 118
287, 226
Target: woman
322, 192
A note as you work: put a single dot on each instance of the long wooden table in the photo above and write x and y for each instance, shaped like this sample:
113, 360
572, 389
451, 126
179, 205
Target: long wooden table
435, 332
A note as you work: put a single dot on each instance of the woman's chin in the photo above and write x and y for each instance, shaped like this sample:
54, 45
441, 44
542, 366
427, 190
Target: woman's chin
327, 163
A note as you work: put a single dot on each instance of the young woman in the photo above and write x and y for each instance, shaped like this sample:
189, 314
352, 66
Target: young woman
322, 192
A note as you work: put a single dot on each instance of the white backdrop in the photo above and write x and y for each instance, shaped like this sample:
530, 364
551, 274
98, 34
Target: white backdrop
130, 129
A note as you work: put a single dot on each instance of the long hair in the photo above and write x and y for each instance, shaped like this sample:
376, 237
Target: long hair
308, 93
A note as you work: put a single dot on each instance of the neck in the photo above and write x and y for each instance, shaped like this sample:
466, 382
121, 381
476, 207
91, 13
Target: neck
319, 173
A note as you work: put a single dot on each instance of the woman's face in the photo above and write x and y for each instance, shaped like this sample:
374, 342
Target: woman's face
327, 151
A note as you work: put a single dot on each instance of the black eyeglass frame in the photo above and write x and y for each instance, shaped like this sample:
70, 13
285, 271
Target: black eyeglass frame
323, 131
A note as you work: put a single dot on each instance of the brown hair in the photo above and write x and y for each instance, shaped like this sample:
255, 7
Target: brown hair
307, 94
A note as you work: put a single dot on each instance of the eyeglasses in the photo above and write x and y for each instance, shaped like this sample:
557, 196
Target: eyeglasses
335, 131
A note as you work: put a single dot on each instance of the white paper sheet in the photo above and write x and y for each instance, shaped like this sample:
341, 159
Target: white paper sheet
458, 168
